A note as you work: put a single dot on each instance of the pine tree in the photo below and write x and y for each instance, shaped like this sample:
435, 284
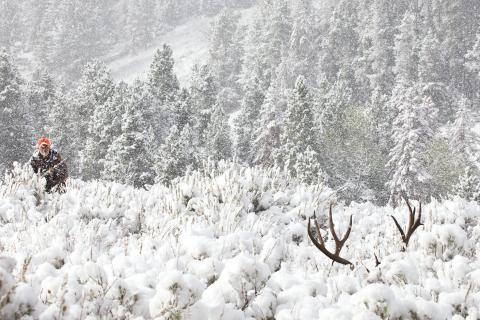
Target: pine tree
382, 60
407, 48
278, 29
302, 51
14, 130
468, 186
457, 23
299, 134
44, 33
203, 94
218, 142
41, 95
140, 24
307, 167
431, 66
103, 128
9, 23
335, 101
246, 122
473, 58
96, 87
412, 134
463, 138
268, 129
162, 80
225, 54
79, 38
431, 72
339, 49
185, 114
176, 155
129, 159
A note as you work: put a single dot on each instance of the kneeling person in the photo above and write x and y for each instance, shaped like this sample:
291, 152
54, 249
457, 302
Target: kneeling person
48, 162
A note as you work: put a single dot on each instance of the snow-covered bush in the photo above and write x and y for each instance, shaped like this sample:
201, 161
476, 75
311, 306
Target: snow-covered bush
227, 243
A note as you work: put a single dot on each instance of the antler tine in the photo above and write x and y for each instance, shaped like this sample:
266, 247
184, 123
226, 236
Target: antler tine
331, 225
319, 234
399, 228
377, 262
349, 229
417, 223
411, 213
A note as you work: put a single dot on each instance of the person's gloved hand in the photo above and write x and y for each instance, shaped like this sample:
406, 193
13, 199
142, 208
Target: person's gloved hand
51, 172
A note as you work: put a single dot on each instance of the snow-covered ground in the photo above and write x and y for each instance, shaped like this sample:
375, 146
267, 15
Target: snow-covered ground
228, 244
189, 42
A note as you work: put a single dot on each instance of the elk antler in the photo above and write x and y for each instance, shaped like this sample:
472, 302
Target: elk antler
413, 223
320, 244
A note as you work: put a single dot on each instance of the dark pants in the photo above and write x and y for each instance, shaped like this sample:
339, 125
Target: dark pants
52, 183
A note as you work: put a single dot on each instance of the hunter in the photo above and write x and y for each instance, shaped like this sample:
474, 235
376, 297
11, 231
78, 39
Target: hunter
47, 162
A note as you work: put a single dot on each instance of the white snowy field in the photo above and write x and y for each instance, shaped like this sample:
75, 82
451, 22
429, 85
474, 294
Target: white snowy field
230, 244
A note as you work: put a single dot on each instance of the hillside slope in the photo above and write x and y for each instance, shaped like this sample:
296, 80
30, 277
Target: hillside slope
228, 244
189, 42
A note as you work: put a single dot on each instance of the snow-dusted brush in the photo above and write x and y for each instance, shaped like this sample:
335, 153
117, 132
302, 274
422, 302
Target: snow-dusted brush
230, 242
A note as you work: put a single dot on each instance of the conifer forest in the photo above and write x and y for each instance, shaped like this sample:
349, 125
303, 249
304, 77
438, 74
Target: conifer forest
210, 144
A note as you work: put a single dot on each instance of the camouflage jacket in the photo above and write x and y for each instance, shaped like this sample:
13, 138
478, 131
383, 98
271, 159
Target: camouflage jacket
51, 166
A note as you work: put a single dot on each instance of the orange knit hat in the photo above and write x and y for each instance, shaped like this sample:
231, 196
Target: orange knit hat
43, 141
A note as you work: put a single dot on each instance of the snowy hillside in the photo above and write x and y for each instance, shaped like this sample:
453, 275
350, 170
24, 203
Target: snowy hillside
189, 42
229, 244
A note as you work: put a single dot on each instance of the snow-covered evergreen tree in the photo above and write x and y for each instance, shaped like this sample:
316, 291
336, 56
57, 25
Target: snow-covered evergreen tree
276, 36
95, 88
129, 158
218, 141
41, 95
339, 49
177, 155
162, 80
79, 38
468, 185
140, 23
302, 52
307, 167
10, 19
185, 114
14, 130
268, 129
457, 23
382, 60
407, 48
432, 73
246, 121
104, 127
298, 136
203, 94
463, 138
473, 58
412, 133
225, 57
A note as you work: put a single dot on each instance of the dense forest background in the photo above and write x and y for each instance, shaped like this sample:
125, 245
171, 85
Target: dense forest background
374, 98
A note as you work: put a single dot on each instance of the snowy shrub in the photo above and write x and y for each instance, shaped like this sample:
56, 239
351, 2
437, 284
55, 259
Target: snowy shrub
381, 300
449, 240
175, 292
227, 243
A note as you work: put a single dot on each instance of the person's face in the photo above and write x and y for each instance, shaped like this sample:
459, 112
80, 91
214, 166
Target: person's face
44, 149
